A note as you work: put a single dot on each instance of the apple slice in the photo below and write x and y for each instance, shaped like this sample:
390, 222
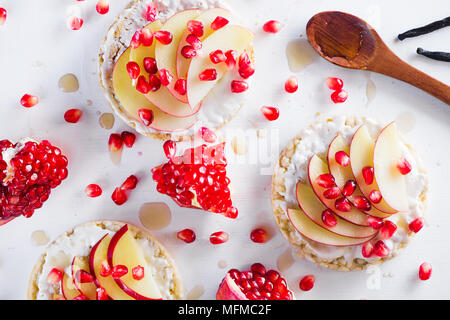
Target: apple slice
343, 174
310, 230
132, 100
235, 38
88, 289
386, 154
125, 250
97, 256
318, 167
313, 208
361, 156
166, 55
206, 18
68, 288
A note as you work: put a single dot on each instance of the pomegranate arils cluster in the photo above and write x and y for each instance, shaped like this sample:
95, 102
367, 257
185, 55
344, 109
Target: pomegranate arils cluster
339, 95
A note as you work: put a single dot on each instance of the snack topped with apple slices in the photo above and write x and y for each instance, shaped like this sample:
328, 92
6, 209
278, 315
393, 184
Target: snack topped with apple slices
105, 260
348, 192
168, 69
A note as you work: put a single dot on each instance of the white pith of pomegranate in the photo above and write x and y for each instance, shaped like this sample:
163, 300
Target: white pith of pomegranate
255, 284
28, 176
197, 179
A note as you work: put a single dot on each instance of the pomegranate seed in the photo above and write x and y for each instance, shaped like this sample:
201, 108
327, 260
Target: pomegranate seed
271, 113
146, 116
142, 85
102, 6
188, 52
272, 26
328, 218
136, 39
73, 115
367, 173
339, 96
361, 203
74, 23
343, 205
332, 193
404, 166
231, 58
291, 85
387, 230
207, 135
208, 75
258, 268
119, 271
133, 70
186, 235
93, 190
367, 250
374, 222
349, 188
154, 82
180, 87
146, 37
164, 37
219, 22
380, 249
194, 41
232, 213
3, 15
342, 158
119, 196
115, 142
130, 183
307, 282
425, 271
128, 138
83, 276
218, 237
165, 77
416, 225
55, 276
375, 196
29, 101
334, 84
101, 294
80, 297
105, 269
325, 180
195, 27
238, 86
138, 272
217, 56
246, 72
150, 65
259, 235
150, 12
170, 149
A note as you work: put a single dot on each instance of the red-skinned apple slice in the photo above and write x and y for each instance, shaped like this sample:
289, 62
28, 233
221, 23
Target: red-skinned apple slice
132, 100
316, 167
68, 288
206, 18
166, 55
87, 288
343, 174
124, 250
230, 37
310, 230
361, 155
313, 208
97, 256
386, 154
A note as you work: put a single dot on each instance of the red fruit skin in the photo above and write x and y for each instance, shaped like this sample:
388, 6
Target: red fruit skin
228, 290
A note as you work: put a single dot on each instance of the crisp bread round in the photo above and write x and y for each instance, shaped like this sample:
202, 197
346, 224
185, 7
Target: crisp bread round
139, 233
300, 248
109, 53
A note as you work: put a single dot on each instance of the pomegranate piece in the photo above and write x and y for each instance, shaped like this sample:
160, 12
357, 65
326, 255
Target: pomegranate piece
238, 86
367, 249
133, 69
154, 82
29, 100
254, 284
342, 158
165, 77
93, 190
272, 26
361, 203
380, 249
270, 113
375, 196
142, 85
146, 37
180, 87
332, 193
416, 225
146, 116
101, 294
119, 196
188, 52
194, 41
425, 270
115, 143
367, 173
404, 166
328, 218
207, 135
138, 272
334, 84
231, 59
102, 6
219, 237
119, 271
342, 204
186, 235
387, 230
3, 14
374, 222
208, 75
291, 85
307, 282
128, 138
219, 22
217, 56
259, 235
164, 37
170, 149
150, 65
150, 12
74, 23
130, 183
339, 96
55, 276
73, 115
195, 27
349, 188
325, 180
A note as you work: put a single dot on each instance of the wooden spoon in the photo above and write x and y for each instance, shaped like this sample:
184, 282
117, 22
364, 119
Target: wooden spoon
350, 42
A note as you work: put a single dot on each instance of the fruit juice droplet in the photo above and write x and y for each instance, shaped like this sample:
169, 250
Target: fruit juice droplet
405, 121
155, 215
300, 54
39, 238
222, 264
285, 260
239, 145
68, 83
371, 91
106, 121
195, 293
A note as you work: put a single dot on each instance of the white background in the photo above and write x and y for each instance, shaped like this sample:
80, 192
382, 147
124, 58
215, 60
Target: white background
36, 49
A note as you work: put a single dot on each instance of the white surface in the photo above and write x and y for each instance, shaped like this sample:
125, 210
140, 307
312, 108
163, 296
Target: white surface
37, 49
